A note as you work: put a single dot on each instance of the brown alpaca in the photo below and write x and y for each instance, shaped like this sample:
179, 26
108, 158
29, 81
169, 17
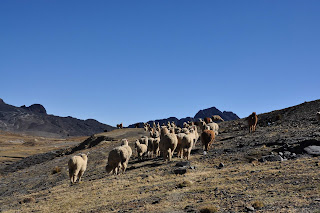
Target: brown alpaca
207, 120
252, 122
119, 126
207, 138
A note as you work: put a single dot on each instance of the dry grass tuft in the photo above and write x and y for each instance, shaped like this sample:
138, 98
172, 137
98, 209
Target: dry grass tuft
258, 204
209, 209
56, 170
28, 200
29, 143
185, 183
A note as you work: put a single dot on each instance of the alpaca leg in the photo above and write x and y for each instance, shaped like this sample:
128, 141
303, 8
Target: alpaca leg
71, 175
80, 175
206, 147
124, 167
169, 155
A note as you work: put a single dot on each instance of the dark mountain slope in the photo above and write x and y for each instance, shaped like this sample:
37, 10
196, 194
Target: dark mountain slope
34, 120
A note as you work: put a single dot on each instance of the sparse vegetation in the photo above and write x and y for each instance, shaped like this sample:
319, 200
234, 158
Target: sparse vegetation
56, 170
28, 200
185, 183
258, 204
209, 209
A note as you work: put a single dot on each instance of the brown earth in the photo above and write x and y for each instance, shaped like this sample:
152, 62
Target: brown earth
242, 182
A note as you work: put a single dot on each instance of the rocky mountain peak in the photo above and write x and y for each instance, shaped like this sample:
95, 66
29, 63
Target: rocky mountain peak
37, 108
227, 116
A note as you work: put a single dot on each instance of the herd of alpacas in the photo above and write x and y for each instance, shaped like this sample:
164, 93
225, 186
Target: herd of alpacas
163, 141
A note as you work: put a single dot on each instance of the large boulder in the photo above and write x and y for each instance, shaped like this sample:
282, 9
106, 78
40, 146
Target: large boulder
312, 150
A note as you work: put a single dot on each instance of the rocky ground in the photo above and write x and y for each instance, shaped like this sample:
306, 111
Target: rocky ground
275, 169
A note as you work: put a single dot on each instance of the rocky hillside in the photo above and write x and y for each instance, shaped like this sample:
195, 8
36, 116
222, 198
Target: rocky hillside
225, 115
34, 120
275, 169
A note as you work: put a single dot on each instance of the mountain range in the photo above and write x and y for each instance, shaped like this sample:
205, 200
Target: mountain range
225, 115
34, 120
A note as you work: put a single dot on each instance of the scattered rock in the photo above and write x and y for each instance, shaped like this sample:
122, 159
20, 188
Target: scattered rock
288, 155
271, 158
182, 164
143, 176
180, 170
189, 209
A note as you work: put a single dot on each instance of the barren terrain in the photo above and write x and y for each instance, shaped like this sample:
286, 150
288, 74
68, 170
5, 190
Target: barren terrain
245, 181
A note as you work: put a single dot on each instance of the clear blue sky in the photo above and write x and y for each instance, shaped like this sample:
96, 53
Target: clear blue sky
131, 61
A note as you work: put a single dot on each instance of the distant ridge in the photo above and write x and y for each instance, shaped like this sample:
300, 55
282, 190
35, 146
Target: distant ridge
34, 120
226, 115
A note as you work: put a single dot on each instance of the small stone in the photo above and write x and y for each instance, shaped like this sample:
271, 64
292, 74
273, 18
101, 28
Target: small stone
287, 154
249, 208
221, 165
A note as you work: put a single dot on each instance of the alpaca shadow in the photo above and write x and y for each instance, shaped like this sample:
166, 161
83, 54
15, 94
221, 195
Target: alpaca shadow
196, 151
151, 165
